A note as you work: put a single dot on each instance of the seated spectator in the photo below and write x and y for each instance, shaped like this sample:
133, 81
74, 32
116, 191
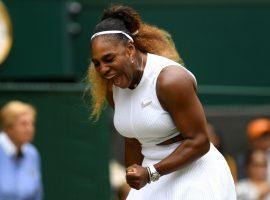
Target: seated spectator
255, 186
258, 133
118, 180
20, 177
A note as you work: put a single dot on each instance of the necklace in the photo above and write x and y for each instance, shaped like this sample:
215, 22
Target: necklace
138, 77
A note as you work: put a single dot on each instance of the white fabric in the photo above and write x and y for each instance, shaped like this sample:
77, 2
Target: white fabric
111, 32
246, 190
138, 114
8, 146
208, 178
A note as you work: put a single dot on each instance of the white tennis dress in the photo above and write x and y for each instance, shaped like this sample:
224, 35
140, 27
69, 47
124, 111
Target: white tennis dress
138, 114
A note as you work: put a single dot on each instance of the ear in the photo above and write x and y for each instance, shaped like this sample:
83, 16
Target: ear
130, 48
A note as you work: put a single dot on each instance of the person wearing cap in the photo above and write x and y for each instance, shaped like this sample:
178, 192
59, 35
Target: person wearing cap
156, 108
258, 131
20, 176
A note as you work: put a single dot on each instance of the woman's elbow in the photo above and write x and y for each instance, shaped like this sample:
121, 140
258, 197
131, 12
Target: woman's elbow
203, 144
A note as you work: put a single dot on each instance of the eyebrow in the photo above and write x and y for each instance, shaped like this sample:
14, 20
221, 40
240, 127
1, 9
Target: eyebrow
106, 56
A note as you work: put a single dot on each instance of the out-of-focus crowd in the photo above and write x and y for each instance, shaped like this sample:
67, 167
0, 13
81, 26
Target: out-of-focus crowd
250, 168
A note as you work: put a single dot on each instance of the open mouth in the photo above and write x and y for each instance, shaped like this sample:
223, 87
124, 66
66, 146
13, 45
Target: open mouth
115, 78
110, 76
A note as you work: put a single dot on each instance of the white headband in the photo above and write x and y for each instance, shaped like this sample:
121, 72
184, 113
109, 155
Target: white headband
111, 32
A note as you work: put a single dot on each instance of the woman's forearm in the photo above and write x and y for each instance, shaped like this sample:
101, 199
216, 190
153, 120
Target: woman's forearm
188, 151
133, 153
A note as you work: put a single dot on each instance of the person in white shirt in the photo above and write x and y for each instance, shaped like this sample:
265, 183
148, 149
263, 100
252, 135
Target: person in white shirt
20, 175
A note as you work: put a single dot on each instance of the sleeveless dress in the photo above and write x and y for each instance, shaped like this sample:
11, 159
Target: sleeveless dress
138, 114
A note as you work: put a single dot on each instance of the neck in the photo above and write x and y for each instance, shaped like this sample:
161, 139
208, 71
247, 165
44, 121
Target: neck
140, 64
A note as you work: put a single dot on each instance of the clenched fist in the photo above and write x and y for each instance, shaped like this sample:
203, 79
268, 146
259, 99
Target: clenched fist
137, 176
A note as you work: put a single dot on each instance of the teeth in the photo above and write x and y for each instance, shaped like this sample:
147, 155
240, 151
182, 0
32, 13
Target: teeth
110, 77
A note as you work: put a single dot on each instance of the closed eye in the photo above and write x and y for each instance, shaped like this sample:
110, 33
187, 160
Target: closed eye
109, 59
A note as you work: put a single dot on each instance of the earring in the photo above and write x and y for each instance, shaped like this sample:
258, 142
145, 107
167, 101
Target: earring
132, 61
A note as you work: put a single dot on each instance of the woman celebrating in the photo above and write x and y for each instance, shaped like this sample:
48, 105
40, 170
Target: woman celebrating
167, 151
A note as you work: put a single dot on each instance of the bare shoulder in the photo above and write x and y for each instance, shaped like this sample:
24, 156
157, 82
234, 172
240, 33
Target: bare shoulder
175, 85
175, 77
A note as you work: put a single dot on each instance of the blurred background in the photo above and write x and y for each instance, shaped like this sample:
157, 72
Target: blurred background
44, 47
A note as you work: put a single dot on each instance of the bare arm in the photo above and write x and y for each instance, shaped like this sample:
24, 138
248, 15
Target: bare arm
176, 91
133, 153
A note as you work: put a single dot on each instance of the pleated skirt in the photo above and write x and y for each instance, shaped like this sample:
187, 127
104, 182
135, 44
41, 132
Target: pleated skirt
207, 178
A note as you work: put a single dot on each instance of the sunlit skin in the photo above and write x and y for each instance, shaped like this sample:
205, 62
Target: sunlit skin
23, 129
113, 60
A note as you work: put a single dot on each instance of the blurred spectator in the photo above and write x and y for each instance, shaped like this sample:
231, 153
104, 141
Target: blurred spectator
217, 140
255, 186
118, 180
258, 133
20, 177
